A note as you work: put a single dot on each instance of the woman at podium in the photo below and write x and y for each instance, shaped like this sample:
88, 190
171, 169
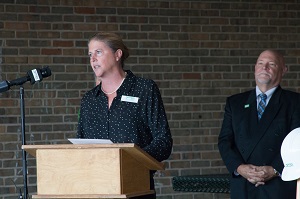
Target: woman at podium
123, 107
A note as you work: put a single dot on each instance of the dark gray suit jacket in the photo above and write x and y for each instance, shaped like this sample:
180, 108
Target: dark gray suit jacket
245, 140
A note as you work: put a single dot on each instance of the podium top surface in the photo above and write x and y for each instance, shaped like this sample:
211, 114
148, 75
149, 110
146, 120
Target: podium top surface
131, 148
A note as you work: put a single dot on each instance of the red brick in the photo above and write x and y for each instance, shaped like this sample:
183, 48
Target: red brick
51, 51
84, 10
61, 43
16, 26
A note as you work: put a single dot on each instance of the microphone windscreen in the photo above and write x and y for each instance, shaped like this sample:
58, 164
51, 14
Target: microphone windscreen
46, 72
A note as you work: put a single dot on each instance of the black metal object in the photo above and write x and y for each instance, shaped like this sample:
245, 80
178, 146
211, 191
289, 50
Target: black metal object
24, 161
213, 183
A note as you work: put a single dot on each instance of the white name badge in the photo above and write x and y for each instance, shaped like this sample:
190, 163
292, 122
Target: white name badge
131, 99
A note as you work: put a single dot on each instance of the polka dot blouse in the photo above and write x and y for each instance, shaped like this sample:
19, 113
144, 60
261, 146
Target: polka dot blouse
136, 115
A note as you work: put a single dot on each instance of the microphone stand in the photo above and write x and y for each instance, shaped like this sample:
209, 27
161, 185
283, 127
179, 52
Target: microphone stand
33, 76
24, 161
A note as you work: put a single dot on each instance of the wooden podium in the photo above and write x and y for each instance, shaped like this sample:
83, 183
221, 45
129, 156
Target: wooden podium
92, 170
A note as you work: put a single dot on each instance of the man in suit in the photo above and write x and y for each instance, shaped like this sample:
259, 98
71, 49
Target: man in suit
250, 140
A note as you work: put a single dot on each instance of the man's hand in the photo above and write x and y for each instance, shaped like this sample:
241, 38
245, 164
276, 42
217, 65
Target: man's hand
257, 175
268, 172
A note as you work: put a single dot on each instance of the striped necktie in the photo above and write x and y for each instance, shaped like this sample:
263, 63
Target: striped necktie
261, 105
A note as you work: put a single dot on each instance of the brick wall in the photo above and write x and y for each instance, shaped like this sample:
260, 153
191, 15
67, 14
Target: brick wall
199, 52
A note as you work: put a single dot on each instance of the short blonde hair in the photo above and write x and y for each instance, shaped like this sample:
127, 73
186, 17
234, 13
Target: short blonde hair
113, 41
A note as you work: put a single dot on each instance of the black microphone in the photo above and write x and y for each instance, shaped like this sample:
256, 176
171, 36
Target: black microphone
35, 75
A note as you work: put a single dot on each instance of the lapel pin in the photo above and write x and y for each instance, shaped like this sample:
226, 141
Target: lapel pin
246, 106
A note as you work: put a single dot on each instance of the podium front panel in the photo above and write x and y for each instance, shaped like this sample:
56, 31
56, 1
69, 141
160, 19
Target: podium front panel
79, 171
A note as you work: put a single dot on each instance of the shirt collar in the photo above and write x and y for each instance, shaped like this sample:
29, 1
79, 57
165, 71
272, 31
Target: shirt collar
125, 87
269, 93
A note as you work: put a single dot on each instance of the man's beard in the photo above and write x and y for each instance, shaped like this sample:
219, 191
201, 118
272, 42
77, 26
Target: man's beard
263, 80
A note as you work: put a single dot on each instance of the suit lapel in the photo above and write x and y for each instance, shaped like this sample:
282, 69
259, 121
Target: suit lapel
251, 113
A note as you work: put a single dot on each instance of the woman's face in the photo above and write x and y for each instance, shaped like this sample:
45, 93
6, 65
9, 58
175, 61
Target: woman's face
102, 58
